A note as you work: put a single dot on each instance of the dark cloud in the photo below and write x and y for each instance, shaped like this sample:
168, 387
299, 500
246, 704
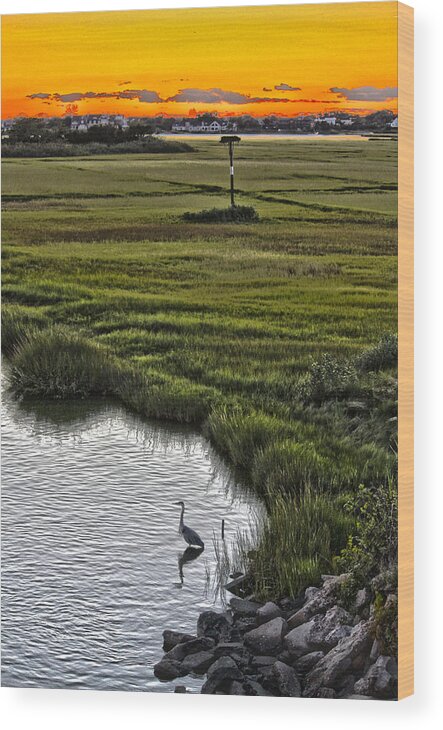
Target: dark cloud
124, 83
366, 93
40, 95
265, 89
142, 95
286, 87
217, 96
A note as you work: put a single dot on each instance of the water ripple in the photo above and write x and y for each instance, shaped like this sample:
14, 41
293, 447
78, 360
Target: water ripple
90, 543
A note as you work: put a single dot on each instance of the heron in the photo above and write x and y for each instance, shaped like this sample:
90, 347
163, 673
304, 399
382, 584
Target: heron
189, 535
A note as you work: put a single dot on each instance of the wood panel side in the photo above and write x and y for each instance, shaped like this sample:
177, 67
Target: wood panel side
406, 348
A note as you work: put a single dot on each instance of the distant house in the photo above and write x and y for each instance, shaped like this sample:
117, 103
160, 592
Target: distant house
214, 127
330, 120
346, 122
394, 123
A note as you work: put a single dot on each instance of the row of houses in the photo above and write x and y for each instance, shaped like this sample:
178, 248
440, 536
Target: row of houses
82, 124
213, 127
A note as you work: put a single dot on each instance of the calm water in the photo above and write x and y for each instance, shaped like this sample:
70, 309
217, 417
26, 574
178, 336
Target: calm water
270, 137
92, 560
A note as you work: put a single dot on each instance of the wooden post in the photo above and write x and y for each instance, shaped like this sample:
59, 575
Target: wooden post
223, 529
231, 162
230, 140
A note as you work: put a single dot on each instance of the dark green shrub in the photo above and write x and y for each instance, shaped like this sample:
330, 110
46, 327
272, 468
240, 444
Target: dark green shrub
329, 379
372, 548
383, 355
236, 214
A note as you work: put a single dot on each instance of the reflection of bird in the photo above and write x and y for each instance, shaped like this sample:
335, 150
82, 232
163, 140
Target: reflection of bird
190, 536
188, 556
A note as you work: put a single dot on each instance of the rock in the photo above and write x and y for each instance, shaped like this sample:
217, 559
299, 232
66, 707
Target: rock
362, 599
267, 638
220, 676
262, 661
308, 661
375, 651
255, 689
386, 582
311, 592
180, 651
321, 633
229, 648
172, 638
242, 625
285, 680
242, 607
267, 613
330, 670
180, 689
169, 669
380, 681
213, 625
236, 688
327, 693
224, 668
199, 662
297, 642
321, 601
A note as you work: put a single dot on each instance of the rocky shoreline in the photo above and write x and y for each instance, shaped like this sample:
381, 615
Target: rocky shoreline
308, 647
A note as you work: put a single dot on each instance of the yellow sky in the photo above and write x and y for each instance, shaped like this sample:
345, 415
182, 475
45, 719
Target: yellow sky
241, 53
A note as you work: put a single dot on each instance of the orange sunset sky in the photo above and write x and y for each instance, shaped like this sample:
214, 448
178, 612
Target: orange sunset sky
248, 60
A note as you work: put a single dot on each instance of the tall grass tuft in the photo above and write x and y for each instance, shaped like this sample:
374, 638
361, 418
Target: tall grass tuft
18, 324
56, 363
239, 434
290, 547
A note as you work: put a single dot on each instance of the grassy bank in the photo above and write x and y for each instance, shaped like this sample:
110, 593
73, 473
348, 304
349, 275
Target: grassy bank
150, 145
270, 336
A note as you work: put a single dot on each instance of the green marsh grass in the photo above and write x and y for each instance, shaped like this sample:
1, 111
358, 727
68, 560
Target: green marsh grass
276, 337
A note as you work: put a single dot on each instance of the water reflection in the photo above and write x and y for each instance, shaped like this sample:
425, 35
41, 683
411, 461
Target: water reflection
90, 544
188, 556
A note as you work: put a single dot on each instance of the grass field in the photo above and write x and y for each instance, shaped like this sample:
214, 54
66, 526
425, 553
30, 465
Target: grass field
221, 325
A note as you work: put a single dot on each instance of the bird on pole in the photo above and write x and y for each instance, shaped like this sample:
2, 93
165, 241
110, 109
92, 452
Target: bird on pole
230, 140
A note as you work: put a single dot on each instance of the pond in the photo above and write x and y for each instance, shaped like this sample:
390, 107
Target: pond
93, 568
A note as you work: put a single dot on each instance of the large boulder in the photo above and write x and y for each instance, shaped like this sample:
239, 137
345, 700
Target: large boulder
321, 633
320, 602
298, 641
220, 676
308, 661
242, 607
267, 612
330, 671
169, 669
172, 638
285, 681
180, 651
199, 662
380, 680
267, 638
213, 625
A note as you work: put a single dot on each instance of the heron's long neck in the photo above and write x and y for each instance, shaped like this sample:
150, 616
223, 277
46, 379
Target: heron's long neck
181, 516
